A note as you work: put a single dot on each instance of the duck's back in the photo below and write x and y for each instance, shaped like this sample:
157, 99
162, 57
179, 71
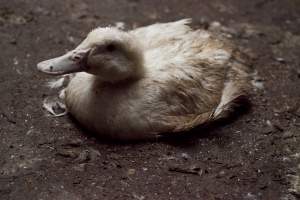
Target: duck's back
158, 34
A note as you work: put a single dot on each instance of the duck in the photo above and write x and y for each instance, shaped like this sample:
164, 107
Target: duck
164, 78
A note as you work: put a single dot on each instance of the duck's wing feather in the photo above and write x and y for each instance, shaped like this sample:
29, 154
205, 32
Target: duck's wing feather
236, 88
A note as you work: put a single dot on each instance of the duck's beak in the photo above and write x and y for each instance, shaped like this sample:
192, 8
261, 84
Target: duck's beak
69, 63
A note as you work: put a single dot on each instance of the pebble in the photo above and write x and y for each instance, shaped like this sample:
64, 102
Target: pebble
281, 60
74, 143
13, 41
288, 134
67, 153
81, 167
83, 157
185, 156
221, 174
94, 154
298, 73
131, 172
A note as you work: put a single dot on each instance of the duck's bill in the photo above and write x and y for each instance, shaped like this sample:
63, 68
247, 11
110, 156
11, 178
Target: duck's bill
61, 65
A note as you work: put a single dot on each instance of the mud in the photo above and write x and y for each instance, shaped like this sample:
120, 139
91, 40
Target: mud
256, 156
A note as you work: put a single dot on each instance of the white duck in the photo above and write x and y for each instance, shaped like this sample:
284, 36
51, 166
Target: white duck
152, 80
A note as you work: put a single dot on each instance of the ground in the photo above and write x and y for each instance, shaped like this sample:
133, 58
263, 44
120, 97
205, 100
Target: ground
255, 156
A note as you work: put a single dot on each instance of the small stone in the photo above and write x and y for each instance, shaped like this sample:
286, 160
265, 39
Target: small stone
13, 41
167, 10
138, 197
248, 31
215, 24
190, 170
81, 167
272, 127
297, 112
114, 156
185, 156
258, 84
131, 172
152, 15
221, 174
83, 157
74, 143
298, 73
67, 153
94, 154
278, 126
145, 169
204, 23
281, 60
288, 134
118, 165
76, 182
267, 130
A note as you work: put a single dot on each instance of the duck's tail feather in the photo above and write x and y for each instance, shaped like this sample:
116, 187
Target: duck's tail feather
236, 88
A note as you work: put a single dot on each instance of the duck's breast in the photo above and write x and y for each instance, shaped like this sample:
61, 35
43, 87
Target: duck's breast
119, 110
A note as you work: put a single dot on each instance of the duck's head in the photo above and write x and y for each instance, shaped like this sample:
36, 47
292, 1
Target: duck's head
109, 53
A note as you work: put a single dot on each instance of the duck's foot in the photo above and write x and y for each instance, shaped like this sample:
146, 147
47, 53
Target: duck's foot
55, 107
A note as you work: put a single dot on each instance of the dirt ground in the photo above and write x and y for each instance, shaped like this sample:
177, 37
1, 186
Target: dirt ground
256, 156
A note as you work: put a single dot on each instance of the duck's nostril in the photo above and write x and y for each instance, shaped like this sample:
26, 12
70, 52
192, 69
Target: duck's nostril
51, 68
77, 58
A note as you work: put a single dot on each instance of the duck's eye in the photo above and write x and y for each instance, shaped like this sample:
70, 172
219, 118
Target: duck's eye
110, 47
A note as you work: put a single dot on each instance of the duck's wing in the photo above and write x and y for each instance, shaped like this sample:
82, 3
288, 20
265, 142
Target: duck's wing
235, 90
155, 35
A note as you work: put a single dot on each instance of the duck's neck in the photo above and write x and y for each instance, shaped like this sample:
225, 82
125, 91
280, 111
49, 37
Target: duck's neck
122, 74
127, 63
